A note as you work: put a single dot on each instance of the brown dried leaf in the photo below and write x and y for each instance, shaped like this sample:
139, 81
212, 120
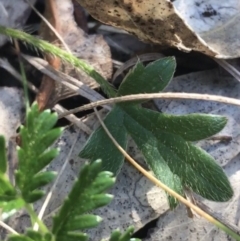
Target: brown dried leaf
49, 88
91, 48
175, 23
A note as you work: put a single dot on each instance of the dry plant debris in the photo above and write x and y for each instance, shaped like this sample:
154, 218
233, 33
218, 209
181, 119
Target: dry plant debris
206, 26
91, 48
13, 14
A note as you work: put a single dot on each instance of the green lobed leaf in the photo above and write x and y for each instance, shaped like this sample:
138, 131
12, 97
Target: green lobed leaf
163, 139
7, 191
19, 238
148, 145
193, 166
8, 208
46, 157
115, 236
100, 146
85, 196
33, 196
39, 180
31, 235
197, 170
84, 221
34, 235
41, 124
73, 236
37, 236
191, 127
3, 156
150, 79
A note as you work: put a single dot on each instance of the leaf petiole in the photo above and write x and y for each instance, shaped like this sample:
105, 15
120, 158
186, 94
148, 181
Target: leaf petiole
35, 219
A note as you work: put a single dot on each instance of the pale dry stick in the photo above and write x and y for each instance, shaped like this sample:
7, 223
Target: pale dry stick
229, 68
118, 46
49, 195
116, 63
50, 26
8, 67
107, 28
218, 217
168, 95
66, 80
163, 186
8, 228
58, 108
73, 119
59, 37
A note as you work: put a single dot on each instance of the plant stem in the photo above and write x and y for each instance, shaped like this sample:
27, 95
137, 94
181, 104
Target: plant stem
23, 76
35, 219
54, 50
169, 95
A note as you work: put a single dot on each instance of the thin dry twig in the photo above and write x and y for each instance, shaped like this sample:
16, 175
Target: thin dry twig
58, 108
229, 68
72, 83
50, 26
8, 228
169, 95
8, 67
73, 119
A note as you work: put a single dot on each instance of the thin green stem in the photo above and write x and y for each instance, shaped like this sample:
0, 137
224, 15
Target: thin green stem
35, 219
25, 86
227, 230
54, 50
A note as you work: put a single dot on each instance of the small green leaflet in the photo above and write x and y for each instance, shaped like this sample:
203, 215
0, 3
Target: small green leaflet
31, 236
117, 236
9, 202
164, 140
3, 156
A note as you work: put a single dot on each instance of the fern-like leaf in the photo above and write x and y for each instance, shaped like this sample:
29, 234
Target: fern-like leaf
31, 236
87, 194
34, 153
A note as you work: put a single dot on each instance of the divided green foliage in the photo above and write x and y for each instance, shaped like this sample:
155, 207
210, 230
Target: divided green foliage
100, 145
31, 236
8, 194
86, 195
34, 155
164, 140
3, 156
